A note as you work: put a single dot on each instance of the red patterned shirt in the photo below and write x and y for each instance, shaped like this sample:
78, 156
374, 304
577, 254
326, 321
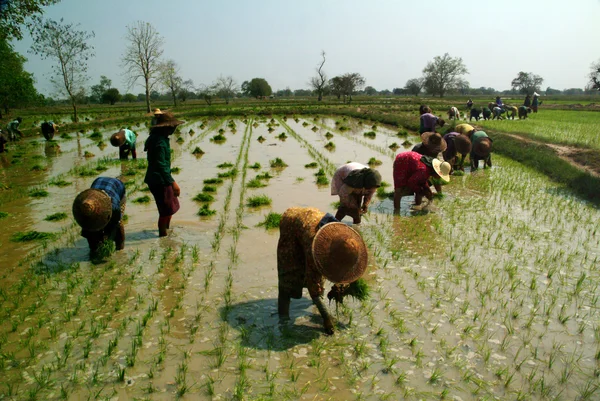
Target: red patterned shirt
410, 171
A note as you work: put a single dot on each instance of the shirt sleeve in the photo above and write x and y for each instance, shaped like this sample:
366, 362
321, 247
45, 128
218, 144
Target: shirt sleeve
164, 165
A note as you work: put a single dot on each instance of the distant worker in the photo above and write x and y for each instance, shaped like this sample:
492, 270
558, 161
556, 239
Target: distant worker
499, 102
13, 129
3, 142
465, 129
424, 109
469, 104
481, 150
355, 184
99, 211
49, 129
125, 141
527, 102
428, 122
313, 247
535, 102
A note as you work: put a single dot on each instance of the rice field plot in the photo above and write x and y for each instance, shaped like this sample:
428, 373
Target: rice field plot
492, 295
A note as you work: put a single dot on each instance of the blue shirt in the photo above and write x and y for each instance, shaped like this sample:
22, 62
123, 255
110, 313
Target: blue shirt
113, 188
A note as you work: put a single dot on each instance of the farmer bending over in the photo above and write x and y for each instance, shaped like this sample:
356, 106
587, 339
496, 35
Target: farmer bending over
13, 129
125, 141
481, 150
355, 184
314, 246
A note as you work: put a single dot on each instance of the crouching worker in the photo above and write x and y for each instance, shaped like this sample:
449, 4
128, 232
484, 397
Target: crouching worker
314, 246
49, 129
411, 176
457, 144
355, 184
99, 211
481, 150
125, 141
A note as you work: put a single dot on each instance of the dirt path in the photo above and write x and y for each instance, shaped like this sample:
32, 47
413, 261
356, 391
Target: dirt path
585, 159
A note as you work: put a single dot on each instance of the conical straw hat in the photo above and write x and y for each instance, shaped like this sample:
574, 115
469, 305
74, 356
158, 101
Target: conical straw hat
92, 209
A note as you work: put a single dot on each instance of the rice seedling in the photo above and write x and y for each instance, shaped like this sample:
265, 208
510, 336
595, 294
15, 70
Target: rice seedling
96, 135
142, 199
218, 138
30, 236
255, 183
330, 146
394, 146
103, 252
255, 166
264, 176
209, 188
56, 216
311, 165
259, 200
206, 211
88, 154
277, 163
282, 136
197, 151
370, 135
38, 167
261, 139
38, 193
225, 165
374, 162
328, 135
271, 220
203, 197
180, 140
175, 170
64, 135
228, 174
213, 181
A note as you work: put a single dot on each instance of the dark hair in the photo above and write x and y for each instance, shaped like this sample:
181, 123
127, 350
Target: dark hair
424, 109
19, 119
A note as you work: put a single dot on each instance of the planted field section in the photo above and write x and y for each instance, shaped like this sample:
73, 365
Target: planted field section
493, 295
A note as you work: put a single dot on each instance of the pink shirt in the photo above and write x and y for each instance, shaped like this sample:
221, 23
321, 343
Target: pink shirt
344, 191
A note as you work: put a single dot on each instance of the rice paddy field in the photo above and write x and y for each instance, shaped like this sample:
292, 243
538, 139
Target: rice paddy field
492, 295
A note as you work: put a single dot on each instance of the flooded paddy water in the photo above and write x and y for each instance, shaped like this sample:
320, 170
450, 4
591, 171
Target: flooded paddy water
494, 295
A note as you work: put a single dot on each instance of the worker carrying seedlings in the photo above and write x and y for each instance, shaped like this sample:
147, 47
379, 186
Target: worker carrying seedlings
314, 246
411, 176
125, 141
481, 150
355, 184
13, 129
99, 211
49, 128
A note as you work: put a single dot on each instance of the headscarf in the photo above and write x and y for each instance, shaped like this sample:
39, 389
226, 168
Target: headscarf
363, 178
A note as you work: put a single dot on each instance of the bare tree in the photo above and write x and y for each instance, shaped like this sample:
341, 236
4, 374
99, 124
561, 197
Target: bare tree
70, 51
142, 57
225, 87
319, 82
170, 78
187, 89
207, 92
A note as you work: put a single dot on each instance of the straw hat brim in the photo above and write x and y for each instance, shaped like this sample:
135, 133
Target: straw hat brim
117, 139
462, 144
442, 169
426, 140
92, 209
335, 267
170, 123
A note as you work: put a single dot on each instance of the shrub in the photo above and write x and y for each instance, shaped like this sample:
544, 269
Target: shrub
259, 200
142, 199
271, 220
277, 163
56, 216
206, 211
203, 197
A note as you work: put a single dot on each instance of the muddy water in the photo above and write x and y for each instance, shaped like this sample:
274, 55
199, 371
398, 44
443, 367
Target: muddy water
488, 297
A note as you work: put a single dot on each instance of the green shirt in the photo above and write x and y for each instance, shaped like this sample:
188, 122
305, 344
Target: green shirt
130, 138
478, 136
159, 160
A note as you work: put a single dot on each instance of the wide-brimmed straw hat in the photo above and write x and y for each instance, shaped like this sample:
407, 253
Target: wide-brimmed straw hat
166, 120
118, 139
92, 209
483, 148
433, 141
462, 144
340, 253
442, 169
157, 111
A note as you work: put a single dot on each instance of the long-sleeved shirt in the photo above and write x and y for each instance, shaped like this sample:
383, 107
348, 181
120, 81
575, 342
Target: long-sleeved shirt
410, 171
130, 138
345, 191
159, 160
13, 126
427, 123
113, 188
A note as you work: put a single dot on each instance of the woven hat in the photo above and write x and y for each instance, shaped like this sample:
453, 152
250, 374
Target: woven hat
442, 169
157, 111
433, 141
118, 139
340, 253
483, 148
166, 120
92, 209
462, 144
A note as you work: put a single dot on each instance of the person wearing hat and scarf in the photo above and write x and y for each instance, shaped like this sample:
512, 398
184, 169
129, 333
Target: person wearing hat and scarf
411, 176
125, 141
314, 246
99, 211
158, 175
355, 184
481, 150
431, 145
428, 122
13, 129
456, 144
155, 113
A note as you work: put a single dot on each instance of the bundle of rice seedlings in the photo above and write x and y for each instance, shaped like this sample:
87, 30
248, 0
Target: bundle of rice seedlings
271, 220
261, 139
175, 170
394, 146
259, 200
225, 165
277, 163
255, 166
311, 165
30, 236
104, 251
38, 193
203, 197
328, 135
142, 199
374, 162
197, 151
56, 216
282, 136
358, 289
213, 181
330, 146
206, 211
87, 154
370, 134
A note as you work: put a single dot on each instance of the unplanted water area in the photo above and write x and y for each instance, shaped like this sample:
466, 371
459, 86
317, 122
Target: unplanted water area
492, 295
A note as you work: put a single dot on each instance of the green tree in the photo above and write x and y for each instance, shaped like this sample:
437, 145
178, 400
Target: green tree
414, 86
111, 96
527, 83
69, 50
16, 84
16, 13
346, 85
258, 87
98, 90
595, 75
129, 98
443, 74
369, 90
142, 56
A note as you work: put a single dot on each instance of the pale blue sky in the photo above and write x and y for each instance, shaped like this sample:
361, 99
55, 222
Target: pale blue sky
386, 41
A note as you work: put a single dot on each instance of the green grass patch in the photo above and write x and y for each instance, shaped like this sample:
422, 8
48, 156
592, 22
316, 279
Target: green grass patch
203, 197
259, 200
213, 181
27, 236
206, 211
38, 193
59, 183
4, 215
228, 174
142, 199
374, 162
225, 165
56, 216
277, 163
271, 220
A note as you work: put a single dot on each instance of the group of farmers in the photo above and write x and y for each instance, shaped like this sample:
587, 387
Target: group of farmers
496, 109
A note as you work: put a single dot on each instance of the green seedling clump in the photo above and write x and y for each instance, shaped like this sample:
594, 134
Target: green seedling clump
458, 173
225, 165
87, 154
314, 128
65, 136
142, 199
30, 236
175, 170
328, 135
56, 216
191, 132
255, 166
271, 220
180, 140
383, 194
394, 146
370, 134
221, 131
104, 251
260, 200
261, 139
402, 133
197, 151
277, 163
4, 215
264, 176
320, 173
374, 162
228, 174
38, 193
406, 143
256, 183
282, 136
213, 181
311, 165
330, 146
209, 188
203, 197
205, 211
322, 180
359, 290
96, 135
218, 138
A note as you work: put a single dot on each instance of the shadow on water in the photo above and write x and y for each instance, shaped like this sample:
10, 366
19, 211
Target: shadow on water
61, 259
260, 327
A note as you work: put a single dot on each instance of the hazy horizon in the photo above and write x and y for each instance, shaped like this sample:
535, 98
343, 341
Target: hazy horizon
387, 42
